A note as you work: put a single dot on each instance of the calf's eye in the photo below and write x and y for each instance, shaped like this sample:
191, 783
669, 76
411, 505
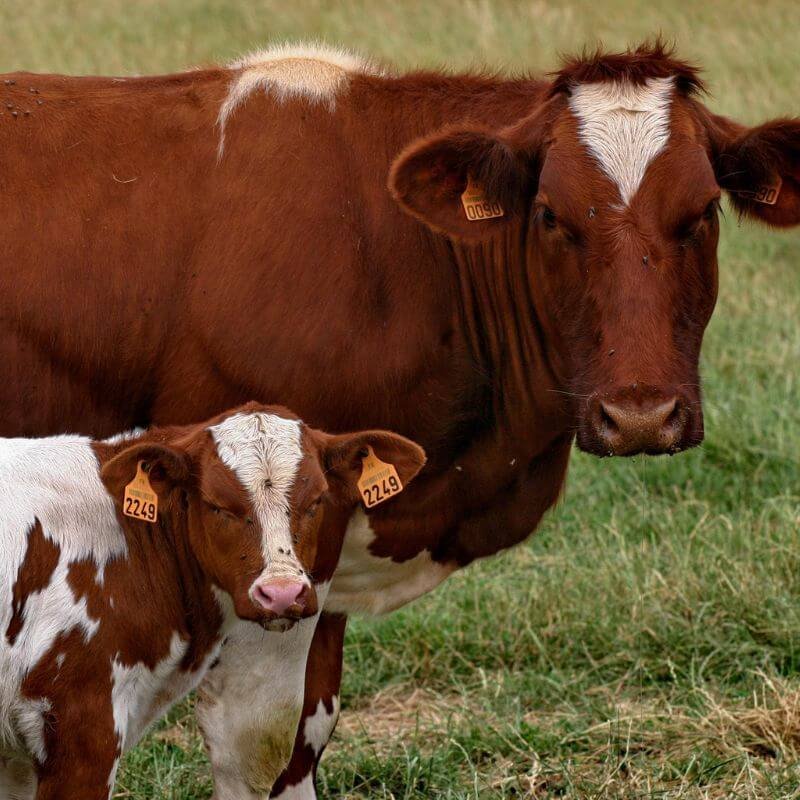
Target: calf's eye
548, 217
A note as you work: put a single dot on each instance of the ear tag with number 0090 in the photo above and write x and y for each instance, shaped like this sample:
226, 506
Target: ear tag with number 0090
476, 206
768, 193
140, 501
379, 481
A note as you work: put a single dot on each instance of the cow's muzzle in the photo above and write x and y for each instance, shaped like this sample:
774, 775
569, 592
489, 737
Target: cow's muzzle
639, 419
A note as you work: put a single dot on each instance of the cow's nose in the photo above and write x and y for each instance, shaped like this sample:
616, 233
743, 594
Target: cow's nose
284, 598
629, 424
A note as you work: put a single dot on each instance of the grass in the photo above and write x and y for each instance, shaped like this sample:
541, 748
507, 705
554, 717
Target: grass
646, 642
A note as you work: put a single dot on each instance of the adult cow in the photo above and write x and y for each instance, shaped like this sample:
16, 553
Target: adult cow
173, 246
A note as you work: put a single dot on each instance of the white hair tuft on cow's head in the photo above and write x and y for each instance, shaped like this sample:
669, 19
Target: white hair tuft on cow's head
624, 126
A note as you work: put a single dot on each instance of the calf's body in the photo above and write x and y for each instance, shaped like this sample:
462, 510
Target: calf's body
106, 621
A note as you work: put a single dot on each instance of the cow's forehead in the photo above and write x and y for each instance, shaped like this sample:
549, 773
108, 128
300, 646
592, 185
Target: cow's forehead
263, 451
624, 126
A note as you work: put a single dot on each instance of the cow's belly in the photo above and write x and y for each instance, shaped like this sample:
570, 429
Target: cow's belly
364, 583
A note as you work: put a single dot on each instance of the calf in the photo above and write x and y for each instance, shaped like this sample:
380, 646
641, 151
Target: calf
107, 620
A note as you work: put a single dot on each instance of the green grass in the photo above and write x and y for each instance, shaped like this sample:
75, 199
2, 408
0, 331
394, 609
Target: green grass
646, 642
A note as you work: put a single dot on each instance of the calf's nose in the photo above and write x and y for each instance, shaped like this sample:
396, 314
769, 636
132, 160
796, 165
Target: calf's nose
653, 423
284, 598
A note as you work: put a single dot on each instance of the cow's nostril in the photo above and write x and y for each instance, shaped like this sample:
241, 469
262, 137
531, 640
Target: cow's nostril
607, 421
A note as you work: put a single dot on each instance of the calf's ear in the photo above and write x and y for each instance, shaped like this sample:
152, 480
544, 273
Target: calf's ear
430, 176
344, 456
166, 468
759, 167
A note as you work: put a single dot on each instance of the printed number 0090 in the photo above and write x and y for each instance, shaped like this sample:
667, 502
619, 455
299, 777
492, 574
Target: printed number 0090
380, 491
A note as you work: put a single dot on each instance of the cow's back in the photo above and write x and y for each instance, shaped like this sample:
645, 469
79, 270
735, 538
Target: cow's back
155, 273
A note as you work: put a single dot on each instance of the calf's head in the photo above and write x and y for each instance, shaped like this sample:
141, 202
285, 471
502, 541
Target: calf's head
247, 491
612, 185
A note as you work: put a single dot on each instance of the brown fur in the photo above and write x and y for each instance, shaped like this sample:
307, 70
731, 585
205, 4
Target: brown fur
287, 272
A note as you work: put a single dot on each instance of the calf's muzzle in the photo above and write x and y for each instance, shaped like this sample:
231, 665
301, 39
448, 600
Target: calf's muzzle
285, 598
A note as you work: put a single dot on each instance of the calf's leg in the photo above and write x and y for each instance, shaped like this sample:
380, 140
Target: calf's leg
89, 776
250, 705
17, 779
320, 711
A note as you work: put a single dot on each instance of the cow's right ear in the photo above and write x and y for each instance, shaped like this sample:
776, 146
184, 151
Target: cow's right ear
166, 468
430, 176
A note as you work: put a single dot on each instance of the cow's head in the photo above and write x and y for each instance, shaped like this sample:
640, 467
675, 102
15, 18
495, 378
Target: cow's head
249, 490
614, 183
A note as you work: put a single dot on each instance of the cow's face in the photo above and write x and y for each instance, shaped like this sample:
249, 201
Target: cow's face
614, 184
248, 492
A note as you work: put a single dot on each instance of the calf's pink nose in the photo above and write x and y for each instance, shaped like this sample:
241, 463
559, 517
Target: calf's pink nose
282, 597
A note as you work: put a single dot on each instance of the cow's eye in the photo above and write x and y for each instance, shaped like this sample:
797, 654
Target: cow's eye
548, 218
710, 210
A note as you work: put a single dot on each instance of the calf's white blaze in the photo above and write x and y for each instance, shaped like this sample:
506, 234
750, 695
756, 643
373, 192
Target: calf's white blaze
624, 126
264, 452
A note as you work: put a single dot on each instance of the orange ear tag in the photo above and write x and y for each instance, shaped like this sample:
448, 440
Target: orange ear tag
379, 481
476, 206
140, 501
768, 194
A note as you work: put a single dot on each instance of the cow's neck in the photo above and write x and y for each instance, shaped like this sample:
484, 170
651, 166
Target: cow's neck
502, 328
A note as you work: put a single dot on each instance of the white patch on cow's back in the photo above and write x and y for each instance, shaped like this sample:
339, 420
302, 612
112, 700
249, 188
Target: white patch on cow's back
55, 481
364, 583
264, 452
624, 126
313, 71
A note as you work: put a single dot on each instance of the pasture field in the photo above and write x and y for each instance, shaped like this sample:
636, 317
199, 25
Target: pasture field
646, 642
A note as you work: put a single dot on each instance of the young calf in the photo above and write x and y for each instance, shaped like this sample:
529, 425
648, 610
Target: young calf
105, 621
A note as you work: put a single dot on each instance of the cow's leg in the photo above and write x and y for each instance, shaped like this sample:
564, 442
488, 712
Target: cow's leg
320, 710
250, 705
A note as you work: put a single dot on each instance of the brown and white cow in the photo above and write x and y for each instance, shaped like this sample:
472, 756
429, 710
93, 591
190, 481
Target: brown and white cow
175, 245
107, 621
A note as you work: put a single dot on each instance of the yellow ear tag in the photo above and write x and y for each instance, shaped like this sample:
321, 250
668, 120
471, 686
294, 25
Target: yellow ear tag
140, 501
379, 481
768, 193
476, 206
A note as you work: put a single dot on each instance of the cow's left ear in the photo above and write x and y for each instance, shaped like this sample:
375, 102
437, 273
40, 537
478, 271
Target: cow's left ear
344, 455
759, 167
429, 178
166, 468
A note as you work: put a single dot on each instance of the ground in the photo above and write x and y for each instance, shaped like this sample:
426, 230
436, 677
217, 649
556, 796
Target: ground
646, 642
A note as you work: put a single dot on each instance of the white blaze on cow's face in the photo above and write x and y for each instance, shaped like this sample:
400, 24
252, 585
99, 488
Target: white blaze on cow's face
264, 452
624, 126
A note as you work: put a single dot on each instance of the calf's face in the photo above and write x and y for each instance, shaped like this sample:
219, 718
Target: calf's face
249, 491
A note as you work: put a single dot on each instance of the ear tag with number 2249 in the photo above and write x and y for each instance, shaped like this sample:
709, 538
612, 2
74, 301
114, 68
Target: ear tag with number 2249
379, 481
140, 501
